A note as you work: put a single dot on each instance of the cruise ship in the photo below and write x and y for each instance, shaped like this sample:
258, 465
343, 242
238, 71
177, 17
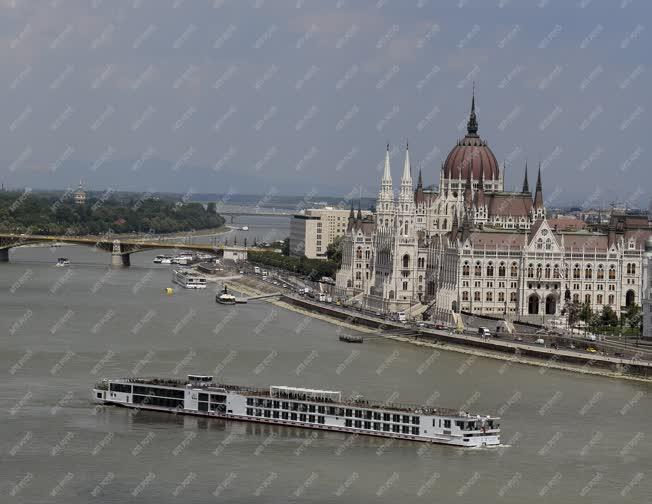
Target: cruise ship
301, 407
188, 279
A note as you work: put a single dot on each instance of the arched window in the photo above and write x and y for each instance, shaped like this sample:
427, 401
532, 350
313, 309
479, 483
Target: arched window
367, 254
406, 228
490, 296
348, 284
478, 269
600, 273
512, 297
576, 271
611, 299
587, 298
547, 271
465, 295
588, 272
612, 272
548, 244
555, 271
476, 296
539, 270
358, 275
598, 299
405, 286
530, 271
406, 261
465, 269
514, 270
629, 268
540, 244
501, 269
445, 224
358, 253
490, 269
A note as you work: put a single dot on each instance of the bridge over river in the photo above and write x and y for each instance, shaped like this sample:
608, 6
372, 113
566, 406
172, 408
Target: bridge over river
120, 248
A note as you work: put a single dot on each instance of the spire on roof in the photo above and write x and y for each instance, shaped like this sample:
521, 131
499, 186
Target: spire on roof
387, 174
359, 217
526, 186
468, 190
472, 124
538, 195
407, 175
420, 181
479, 194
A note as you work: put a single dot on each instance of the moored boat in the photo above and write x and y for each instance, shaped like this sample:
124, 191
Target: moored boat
347, 338
301, 407
188, 279
62, 261
225, 298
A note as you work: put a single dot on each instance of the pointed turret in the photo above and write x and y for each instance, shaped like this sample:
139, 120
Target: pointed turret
538, 195
466, 227
419, 197
351, 219
468, 191
472, 124
455, 227
387, 174
526, 185
479, 199
407, 172
359, 216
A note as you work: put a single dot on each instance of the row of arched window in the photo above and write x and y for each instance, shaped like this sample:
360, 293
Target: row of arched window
489, 270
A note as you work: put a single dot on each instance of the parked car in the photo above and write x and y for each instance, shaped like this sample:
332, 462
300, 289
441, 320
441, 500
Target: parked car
540, 341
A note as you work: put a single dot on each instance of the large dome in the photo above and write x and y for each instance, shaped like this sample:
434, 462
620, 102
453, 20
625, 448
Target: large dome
471, 153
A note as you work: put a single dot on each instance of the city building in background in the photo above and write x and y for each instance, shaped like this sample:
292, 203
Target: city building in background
79, 196
312, 230
646, 304
471, 246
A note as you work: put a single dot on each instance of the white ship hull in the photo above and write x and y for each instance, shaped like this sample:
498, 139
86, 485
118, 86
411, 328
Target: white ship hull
251, 405
188, 280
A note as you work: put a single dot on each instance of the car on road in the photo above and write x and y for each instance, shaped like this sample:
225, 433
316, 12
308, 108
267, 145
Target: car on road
540, 341
483, 332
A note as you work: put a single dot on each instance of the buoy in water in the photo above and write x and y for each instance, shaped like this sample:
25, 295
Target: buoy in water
169, 291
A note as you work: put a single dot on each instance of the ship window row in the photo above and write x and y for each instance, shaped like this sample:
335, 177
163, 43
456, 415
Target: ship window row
164, 402
120, 387
156, 391
285, 415
331, 410
217, 407
384, 427
386, 417
216, 398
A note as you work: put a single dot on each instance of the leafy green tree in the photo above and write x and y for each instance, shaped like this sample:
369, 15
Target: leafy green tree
285, 248
608, 317
586, 314
334, 250
633, 316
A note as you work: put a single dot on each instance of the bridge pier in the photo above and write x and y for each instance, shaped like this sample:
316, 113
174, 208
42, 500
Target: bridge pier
120, 260
4, 255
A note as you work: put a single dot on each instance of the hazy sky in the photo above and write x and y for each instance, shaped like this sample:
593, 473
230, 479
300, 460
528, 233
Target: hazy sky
301, 96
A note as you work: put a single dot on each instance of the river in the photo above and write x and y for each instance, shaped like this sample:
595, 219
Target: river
567, 437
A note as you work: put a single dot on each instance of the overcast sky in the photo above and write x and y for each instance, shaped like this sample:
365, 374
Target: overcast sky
301, 96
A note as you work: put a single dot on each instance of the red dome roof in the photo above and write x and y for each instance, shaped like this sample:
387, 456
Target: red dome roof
471, 153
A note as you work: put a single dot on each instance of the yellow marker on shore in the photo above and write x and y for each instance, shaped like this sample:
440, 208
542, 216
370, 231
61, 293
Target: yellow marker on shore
169, 291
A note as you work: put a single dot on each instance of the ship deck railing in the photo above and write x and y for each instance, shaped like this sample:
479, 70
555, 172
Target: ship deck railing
411, 408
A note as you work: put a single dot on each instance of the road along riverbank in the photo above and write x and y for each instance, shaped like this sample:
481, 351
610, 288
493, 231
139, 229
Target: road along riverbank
509, 351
